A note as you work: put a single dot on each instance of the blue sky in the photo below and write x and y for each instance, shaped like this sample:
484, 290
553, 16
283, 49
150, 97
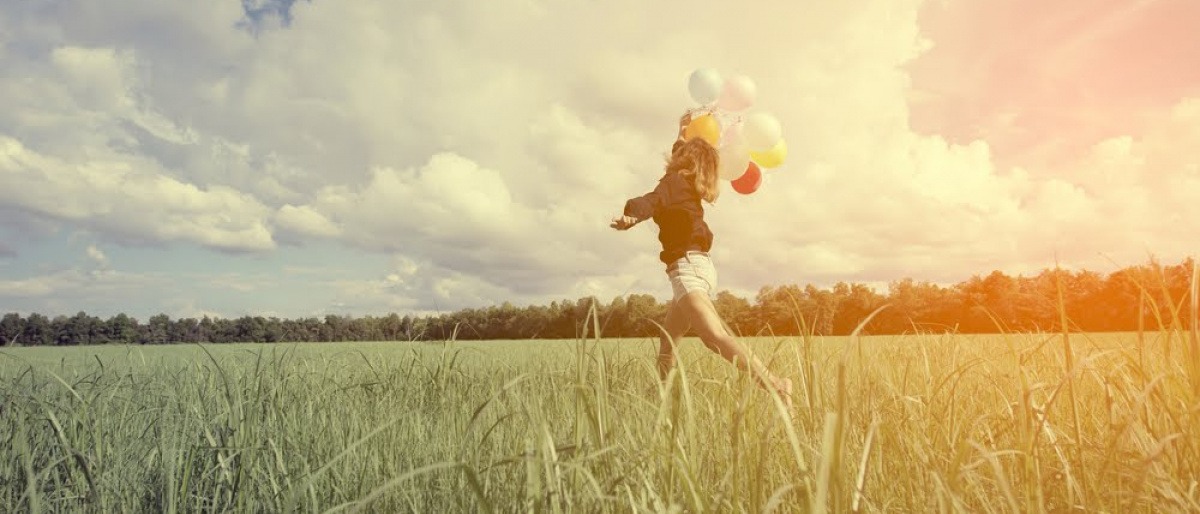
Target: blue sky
264, 12
303, 158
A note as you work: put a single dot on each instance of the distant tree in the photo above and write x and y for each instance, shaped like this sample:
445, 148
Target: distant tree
76, 330
365, 328
614, 319
389, 327
640, 309
121, 329
95, 329
248, 329
1081, 294
311, 328
502, 323
156, 330
11, 326
787, 309
1119, 304
273, 330
1172, 285
226, 331
37, 331
855, 302
1152, 296
987, 303
207, 330
334, 328
57, 330
406, 329
417, 329
736, 312
534, 322
185, 330
917, 306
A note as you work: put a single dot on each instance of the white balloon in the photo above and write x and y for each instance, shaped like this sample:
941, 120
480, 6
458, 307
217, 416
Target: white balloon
737, 94
705, 85
734, 133
734, 153
762, 131
734, 160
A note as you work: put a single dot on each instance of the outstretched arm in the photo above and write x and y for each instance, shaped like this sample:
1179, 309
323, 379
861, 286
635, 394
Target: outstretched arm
623, 222
644, 207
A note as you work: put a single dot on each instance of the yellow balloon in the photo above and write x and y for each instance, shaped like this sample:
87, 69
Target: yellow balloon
704, 127
771, 158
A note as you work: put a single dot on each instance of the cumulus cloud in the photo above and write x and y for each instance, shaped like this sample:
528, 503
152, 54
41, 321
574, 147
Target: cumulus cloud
97, 256
129, 198
1045, 88
488, 164
305, 221
187, 308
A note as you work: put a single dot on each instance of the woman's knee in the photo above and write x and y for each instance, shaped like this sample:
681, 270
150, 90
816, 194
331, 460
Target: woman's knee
666, 340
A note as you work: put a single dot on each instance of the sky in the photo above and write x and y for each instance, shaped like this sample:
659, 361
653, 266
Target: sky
302, 158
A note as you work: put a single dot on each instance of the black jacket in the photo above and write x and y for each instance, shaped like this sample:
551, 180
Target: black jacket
676, 209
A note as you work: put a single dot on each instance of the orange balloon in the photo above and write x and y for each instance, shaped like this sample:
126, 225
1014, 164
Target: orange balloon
749, 181
705, 127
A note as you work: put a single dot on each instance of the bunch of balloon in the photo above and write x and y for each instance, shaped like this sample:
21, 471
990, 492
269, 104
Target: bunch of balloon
746, 142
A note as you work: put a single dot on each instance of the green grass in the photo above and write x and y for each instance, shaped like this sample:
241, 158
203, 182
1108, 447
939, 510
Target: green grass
882, 424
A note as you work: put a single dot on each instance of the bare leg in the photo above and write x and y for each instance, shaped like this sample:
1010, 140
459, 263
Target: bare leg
704, 318
676, 326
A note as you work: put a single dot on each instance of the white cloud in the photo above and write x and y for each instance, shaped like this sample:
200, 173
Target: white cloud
74, 281
488, 144
188, 308
97, 256
305, 221
237, 282
130, 198
40, 285
99, 77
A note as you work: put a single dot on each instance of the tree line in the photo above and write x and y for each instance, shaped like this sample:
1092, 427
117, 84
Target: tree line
1151, 297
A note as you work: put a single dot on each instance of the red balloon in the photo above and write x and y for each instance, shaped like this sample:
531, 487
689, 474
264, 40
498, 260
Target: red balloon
749, 181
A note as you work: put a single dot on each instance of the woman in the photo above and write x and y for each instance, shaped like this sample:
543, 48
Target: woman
674, 205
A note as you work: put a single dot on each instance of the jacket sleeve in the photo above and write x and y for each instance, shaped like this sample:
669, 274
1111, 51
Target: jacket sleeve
647, 205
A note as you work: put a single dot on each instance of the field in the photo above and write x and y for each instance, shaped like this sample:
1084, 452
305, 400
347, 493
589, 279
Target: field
919, 423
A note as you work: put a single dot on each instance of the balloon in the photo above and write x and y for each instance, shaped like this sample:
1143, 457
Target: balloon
771, 158
704, 127
734, 153
748, 182
737, 94
762, 131
734, 160
734, 134
705, 85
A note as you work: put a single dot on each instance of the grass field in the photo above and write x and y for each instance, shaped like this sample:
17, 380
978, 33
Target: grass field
922, 423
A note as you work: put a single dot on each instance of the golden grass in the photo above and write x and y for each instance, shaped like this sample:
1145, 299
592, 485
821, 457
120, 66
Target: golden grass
917, 423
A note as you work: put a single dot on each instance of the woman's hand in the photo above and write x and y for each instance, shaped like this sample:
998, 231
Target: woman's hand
623, 222
684, 121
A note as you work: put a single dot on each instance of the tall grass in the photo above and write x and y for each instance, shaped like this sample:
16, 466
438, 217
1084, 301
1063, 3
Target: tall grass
1043, 422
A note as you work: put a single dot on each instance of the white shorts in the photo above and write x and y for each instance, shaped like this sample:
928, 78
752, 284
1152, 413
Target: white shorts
693, 272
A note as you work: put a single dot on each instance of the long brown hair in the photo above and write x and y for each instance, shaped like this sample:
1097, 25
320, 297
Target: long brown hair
697, 161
